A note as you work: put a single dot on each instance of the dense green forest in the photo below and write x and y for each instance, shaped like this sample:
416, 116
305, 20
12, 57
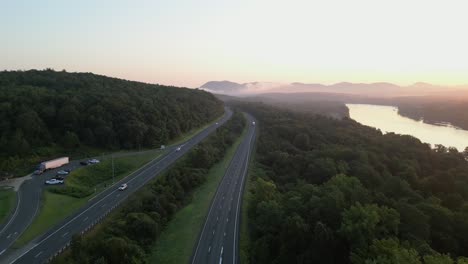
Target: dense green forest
130, 233
436, 111
48, 113
333, 191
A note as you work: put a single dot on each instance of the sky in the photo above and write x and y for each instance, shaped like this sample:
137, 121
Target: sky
187, 43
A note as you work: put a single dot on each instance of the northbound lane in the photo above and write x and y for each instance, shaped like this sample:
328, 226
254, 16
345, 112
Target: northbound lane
42, 248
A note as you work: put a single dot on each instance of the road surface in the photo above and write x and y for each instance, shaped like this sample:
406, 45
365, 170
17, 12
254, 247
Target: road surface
42, 248
219, 239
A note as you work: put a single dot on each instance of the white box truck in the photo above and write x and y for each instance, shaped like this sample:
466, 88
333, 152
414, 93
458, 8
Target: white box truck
51, 164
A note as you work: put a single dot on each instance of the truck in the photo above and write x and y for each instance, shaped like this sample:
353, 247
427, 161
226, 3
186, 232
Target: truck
51, 164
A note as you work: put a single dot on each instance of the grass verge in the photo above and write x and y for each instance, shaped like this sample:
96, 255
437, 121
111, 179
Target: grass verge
7, 202
57, 206
176, 243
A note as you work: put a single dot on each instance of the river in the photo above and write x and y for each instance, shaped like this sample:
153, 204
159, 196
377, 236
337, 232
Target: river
387, 119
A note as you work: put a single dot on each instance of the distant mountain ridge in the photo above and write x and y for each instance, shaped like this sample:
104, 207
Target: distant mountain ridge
378, 89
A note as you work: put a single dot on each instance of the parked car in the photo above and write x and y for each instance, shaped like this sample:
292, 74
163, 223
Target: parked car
54, 181
63, 172
60, 178
123, 187
93, 161
84, 163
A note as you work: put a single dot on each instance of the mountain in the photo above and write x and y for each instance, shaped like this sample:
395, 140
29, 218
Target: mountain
379, 89
48, 113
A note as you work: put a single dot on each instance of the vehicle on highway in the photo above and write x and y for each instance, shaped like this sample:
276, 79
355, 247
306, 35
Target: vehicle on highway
63, 172
163, 146
253, 123
178, 149
123, 187
54, 181
217, 123
84, 163
51, 164
93, 161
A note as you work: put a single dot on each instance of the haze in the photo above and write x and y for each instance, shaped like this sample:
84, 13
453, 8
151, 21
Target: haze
187, 43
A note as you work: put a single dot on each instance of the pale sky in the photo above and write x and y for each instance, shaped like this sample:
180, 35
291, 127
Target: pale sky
187, 43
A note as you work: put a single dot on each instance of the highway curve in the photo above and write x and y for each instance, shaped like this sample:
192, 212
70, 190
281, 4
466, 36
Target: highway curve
219, 239
42, 248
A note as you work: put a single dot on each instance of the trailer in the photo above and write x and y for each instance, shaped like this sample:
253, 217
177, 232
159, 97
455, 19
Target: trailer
51, 164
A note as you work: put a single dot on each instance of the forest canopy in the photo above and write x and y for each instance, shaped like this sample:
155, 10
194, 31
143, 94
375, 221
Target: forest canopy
334, 191
42, 111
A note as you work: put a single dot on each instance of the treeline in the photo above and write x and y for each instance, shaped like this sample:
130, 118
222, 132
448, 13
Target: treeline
436, 111
44, 112
334, 191
130, 233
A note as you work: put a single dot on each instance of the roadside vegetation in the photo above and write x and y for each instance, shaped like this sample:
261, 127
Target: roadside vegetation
88, 180
80, 186
177, 241
334, 191
47, 113
129, 234
7, 203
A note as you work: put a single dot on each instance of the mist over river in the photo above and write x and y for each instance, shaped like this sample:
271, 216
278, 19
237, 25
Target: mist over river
387, 119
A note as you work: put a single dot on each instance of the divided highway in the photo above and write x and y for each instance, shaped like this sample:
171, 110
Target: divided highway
42, 248
219, 239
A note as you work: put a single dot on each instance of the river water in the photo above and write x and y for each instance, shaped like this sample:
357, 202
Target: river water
387, 119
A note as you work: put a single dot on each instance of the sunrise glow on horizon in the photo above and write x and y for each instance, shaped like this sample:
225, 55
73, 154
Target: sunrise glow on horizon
187, 43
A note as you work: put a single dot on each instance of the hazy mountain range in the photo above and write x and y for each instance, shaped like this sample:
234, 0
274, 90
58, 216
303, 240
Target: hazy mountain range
380, 89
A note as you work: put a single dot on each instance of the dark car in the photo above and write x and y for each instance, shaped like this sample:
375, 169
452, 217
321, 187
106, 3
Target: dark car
84, 163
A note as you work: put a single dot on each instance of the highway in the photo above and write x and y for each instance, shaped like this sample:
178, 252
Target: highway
219, 239
42, 248
27, 206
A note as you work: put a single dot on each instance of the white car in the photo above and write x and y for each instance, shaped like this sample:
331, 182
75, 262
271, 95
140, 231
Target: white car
54, 181
178, 149
217, 123
93, 161
123, 187
63, 172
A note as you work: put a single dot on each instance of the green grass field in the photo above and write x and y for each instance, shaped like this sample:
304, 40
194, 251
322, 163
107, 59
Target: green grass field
7, 202
57, 206
175, 245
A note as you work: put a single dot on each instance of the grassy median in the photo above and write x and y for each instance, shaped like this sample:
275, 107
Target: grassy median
176, 243
57, 206
7, 202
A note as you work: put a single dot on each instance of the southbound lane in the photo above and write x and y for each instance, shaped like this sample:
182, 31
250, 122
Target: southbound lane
42, 248
219, 239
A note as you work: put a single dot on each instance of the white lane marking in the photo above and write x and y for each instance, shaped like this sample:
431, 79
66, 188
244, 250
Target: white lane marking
209, 249
38, 254
221, 256
86, 218
213, 231
224, 233
217, 218
9, 236
3, 251
65, 234
227, 219
15, 233
16, 211
238, 200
